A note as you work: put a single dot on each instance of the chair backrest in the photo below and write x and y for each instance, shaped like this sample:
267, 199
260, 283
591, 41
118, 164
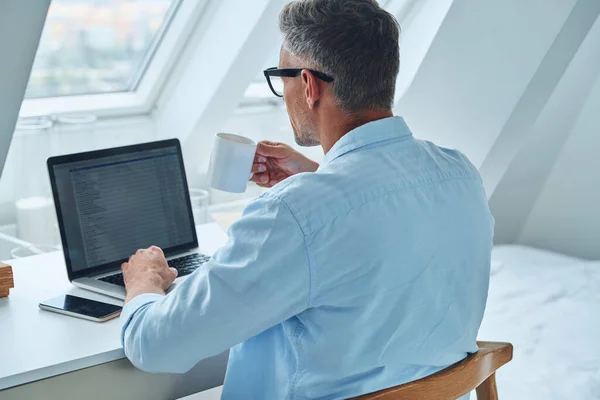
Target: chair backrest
476, 372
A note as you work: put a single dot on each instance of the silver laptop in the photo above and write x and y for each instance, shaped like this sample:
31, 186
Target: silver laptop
110, 203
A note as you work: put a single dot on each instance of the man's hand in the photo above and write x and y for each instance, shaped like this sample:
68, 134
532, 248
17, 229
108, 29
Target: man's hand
147, 271
275, 162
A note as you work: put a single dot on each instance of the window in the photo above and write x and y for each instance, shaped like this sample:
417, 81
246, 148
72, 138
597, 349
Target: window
97, 46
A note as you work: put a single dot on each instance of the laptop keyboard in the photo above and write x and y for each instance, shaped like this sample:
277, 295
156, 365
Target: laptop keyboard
184, 266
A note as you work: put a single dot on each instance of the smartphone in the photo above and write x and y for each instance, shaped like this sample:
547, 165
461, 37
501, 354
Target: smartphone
79, 307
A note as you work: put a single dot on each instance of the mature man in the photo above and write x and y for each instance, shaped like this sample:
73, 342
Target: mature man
364, 272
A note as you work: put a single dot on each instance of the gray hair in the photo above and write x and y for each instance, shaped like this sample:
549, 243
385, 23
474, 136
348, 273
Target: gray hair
354, 41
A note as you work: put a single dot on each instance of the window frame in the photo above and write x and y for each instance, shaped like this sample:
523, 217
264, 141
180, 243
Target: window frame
149, 80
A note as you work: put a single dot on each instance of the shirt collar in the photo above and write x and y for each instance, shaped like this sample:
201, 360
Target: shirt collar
368, 134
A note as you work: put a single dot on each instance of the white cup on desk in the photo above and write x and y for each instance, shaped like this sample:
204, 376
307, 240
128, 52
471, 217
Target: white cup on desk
231, 163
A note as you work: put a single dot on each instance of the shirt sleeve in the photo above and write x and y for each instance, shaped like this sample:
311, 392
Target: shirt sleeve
259, 279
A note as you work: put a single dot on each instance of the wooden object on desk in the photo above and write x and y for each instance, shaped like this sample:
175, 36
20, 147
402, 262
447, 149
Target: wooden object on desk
226, 219
476, 372
6, 280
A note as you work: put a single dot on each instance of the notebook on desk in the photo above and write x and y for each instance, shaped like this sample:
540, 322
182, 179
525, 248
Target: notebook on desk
110, 203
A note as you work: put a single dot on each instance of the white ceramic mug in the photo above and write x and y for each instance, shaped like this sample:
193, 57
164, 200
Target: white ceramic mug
231, 163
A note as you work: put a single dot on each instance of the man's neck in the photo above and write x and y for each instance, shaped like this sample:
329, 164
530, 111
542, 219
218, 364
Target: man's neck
334, 127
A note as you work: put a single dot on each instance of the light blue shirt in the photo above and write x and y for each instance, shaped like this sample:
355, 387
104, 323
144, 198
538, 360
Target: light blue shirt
369, 273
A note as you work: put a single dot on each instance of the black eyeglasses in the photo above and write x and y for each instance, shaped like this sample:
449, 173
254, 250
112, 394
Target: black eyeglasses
275, 74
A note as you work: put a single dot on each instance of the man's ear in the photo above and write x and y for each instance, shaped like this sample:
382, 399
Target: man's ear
312, 88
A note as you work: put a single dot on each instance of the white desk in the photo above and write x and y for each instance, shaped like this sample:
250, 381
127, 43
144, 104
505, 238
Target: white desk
37, 345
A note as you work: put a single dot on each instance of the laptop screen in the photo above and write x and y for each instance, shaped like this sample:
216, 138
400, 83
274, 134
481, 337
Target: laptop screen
113, 204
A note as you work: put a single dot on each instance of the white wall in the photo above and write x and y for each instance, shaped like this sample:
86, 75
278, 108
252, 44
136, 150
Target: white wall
505, 82
521, 184
477, 68
419, 29
566, 216
21, 24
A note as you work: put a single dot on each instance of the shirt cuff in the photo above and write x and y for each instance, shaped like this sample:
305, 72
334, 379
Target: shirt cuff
132, 307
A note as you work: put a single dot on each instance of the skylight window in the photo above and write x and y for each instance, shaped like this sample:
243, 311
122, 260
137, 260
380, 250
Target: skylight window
95, 47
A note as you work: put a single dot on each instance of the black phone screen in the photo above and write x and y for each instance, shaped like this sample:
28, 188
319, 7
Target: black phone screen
79, 305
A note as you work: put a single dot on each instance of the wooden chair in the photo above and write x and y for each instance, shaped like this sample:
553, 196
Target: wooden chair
476, 372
